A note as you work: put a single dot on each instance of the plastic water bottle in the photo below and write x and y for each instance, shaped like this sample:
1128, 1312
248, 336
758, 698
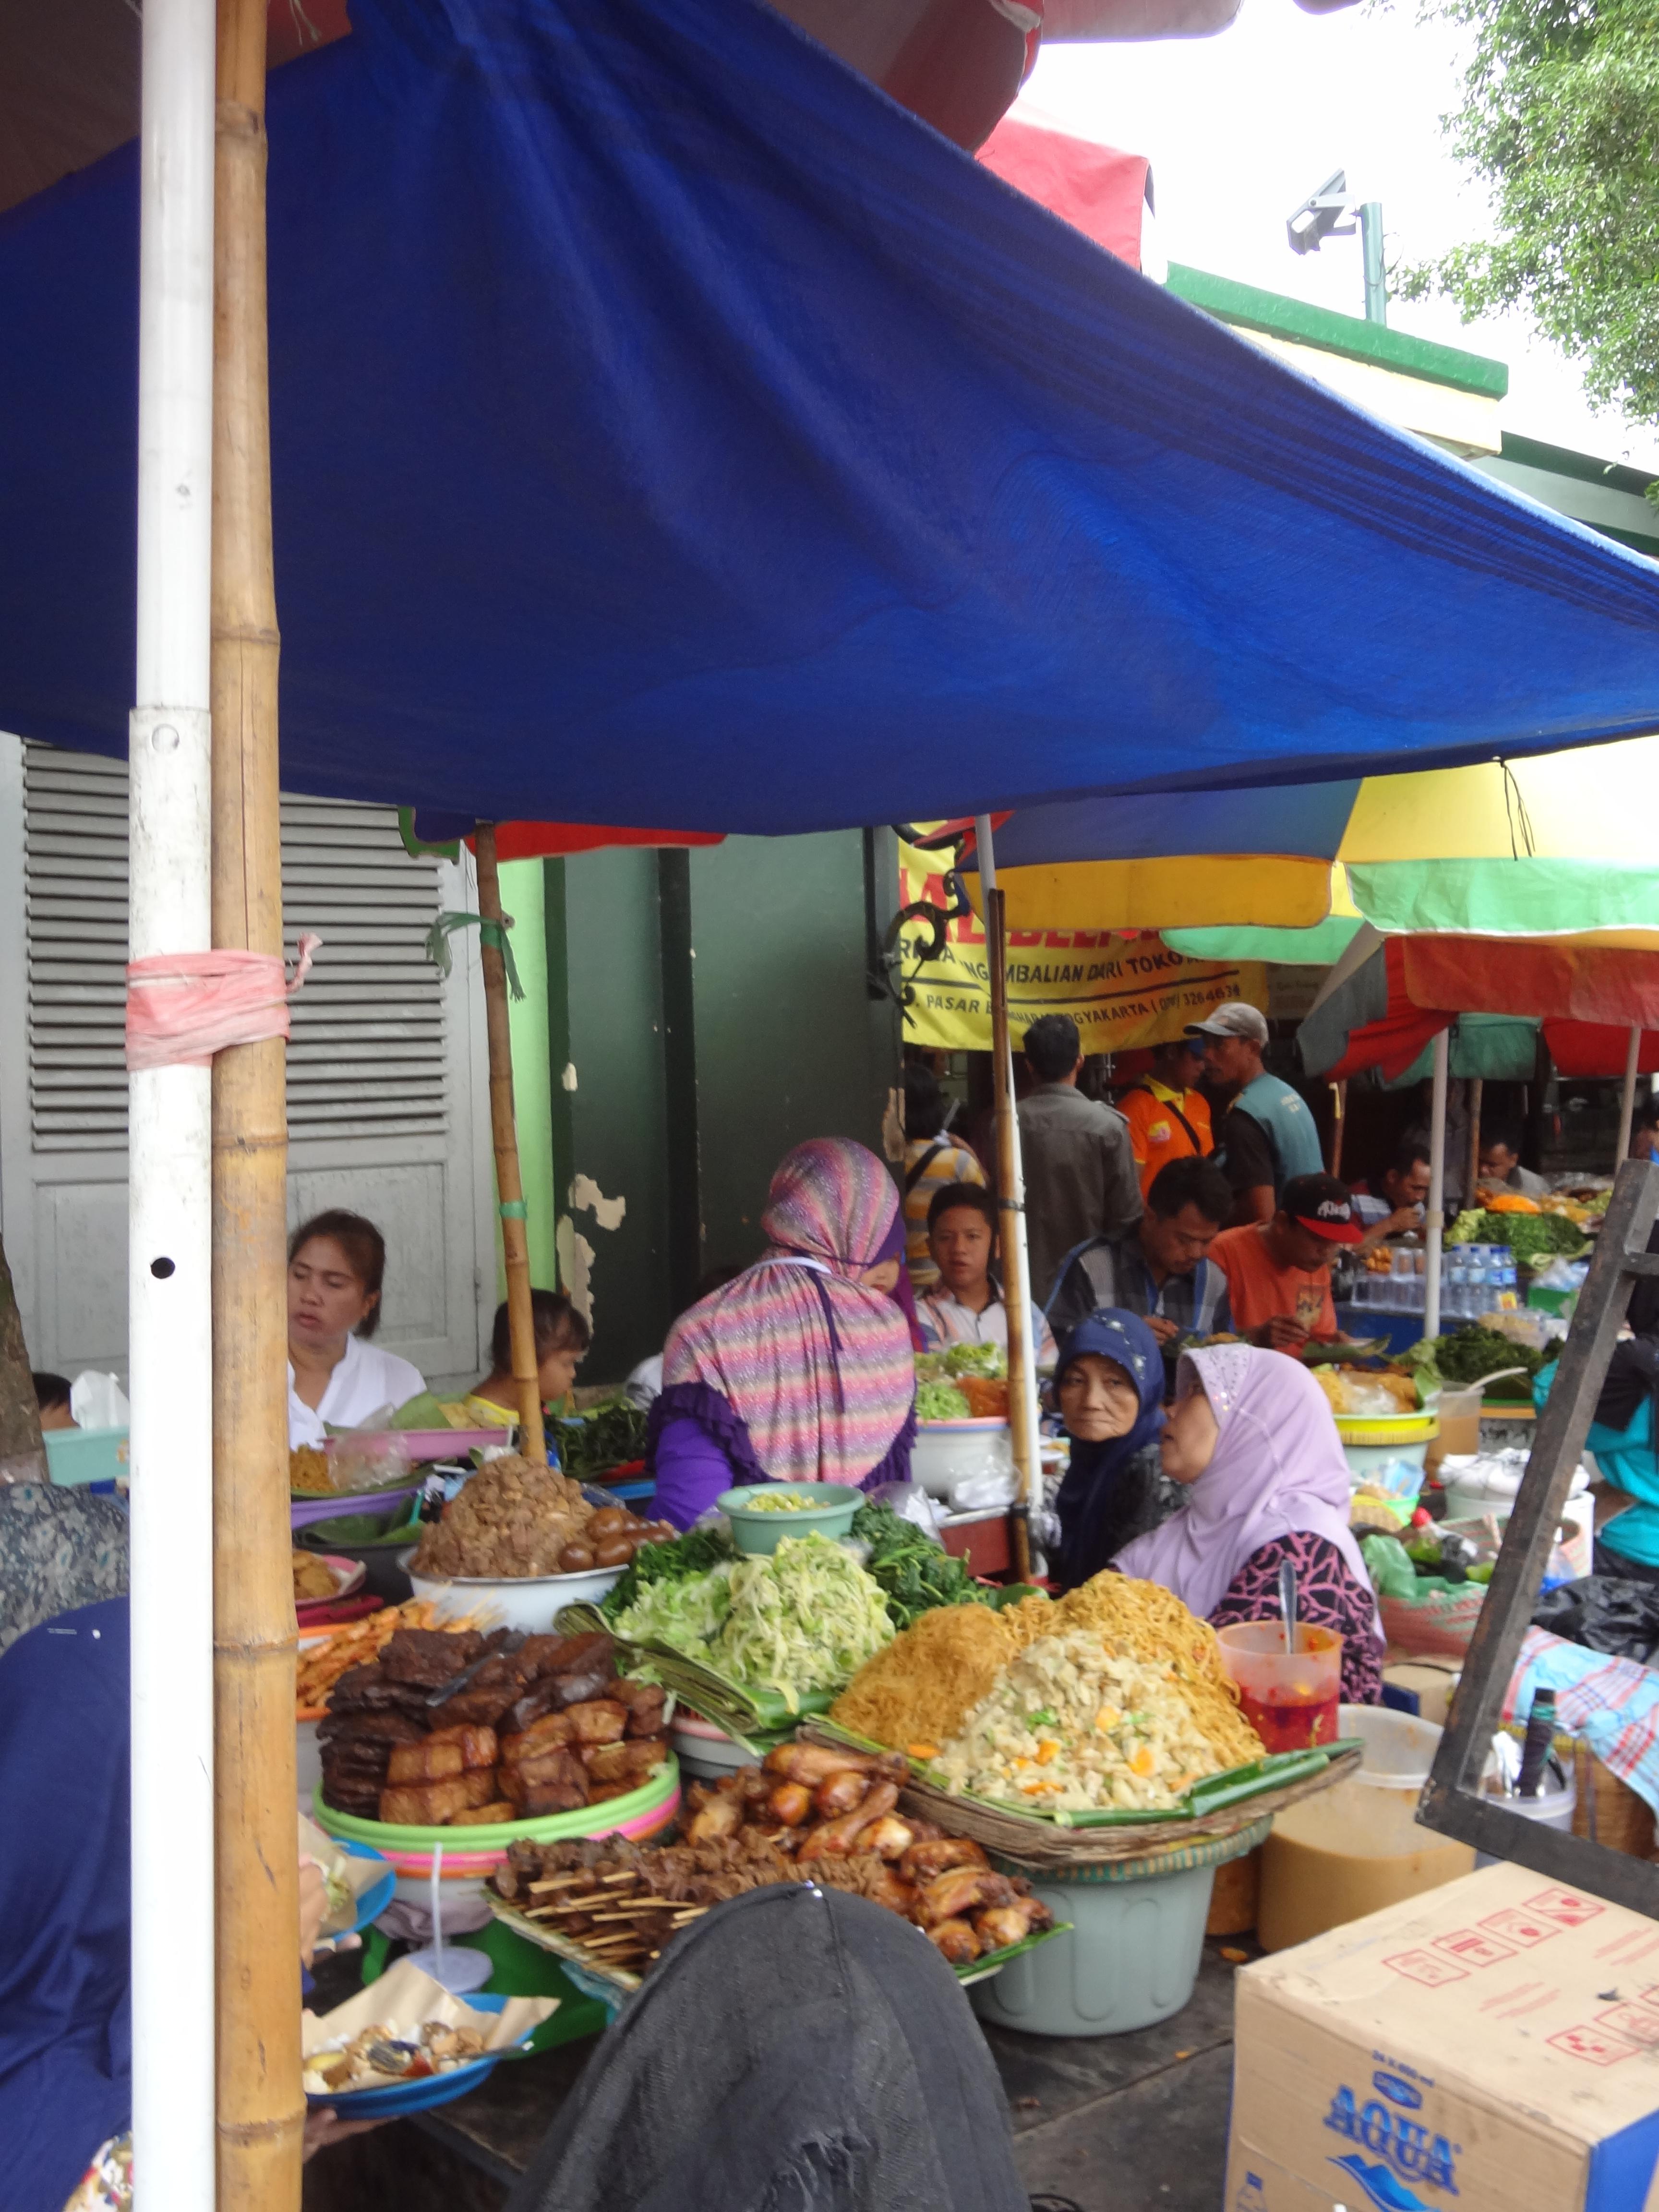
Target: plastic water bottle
1454, 1291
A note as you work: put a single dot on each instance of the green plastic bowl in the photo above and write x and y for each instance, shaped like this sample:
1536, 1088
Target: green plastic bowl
640, 1807
829, 1514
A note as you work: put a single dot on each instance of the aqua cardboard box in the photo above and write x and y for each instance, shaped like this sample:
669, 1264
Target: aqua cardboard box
1491, 2047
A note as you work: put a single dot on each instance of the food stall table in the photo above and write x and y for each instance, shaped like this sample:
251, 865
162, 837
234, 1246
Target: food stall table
1117, 2119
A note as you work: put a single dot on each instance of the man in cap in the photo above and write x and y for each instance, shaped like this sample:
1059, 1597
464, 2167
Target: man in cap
1278, 1270
1265, 1135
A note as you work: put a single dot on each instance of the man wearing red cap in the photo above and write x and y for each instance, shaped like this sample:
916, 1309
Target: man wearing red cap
1278, 1271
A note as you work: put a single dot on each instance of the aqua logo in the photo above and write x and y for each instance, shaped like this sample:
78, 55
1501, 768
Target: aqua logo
1404, 2146
1380, 2185
1398, 2091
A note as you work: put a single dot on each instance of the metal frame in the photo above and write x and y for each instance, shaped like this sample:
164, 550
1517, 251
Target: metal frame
1452, 1802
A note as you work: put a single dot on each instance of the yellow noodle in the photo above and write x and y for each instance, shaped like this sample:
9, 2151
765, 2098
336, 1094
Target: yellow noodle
920, 1688
923, 1685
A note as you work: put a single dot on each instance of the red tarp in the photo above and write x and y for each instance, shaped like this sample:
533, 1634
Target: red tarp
1096, 189
1588, 999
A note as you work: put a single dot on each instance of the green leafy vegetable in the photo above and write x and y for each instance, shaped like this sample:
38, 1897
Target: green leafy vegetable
607, 1436
912, 1569
941, 1401
1534, 1237
988, 1361
1471, 1352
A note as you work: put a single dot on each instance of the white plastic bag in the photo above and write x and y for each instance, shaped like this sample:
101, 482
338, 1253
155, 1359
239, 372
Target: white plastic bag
98, 1401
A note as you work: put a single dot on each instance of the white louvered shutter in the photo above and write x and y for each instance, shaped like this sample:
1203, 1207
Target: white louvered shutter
383, 1088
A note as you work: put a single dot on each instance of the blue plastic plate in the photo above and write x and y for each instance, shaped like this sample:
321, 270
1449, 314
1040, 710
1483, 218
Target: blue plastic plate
372, 1902
419, 2096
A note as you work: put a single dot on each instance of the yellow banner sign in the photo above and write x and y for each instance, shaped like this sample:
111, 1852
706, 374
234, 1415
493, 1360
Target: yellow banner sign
1121, 991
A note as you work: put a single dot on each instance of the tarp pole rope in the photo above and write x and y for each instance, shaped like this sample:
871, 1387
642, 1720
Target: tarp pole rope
1436, 1222
1022, 1418
169, 1268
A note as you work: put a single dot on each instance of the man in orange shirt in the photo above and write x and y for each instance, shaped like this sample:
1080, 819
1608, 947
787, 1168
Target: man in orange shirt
1278, 1271
1168, 1118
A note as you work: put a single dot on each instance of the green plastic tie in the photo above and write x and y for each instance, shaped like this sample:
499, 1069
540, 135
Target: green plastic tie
490, 933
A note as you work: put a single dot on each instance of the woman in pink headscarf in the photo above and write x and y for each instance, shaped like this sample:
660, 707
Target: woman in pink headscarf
800, 1369
1253, 1438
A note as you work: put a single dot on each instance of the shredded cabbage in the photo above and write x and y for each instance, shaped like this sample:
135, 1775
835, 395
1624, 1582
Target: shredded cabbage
684, 1615
805, 1618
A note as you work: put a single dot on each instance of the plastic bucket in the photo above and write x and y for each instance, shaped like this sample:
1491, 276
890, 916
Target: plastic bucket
1357, 1846
1132, 1954
945, 1451
705, 1751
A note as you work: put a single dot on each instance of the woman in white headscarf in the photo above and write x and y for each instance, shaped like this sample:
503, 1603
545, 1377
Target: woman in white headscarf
1253, 1439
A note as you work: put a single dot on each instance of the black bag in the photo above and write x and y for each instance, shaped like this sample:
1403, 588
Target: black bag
1606, 1613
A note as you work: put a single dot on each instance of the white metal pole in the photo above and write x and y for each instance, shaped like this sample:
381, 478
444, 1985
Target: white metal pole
1017, 1259
1627, 1103
1436, 1183
169, 1126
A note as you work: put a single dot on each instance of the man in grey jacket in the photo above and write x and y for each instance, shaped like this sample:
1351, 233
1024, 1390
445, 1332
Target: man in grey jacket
1080, 1178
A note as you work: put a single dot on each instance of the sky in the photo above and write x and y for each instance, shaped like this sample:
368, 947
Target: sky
1240, 128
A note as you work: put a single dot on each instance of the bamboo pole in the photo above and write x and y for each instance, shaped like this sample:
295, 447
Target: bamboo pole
1338, 1123
1471, 1169
1627, 1098
261, 2106
1010, 1199
1435, 1220
509, 1184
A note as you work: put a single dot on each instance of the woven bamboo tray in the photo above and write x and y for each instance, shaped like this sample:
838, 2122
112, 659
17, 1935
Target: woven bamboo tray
1042, 1840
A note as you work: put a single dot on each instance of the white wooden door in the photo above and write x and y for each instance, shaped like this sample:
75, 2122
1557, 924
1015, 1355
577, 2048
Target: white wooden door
386, 1101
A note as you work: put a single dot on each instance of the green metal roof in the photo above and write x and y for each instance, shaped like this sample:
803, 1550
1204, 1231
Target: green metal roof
1303, 323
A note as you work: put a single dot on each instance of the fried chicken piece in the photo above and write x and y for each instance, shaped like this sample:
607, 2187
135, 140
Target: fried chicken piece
959, 1890
889, 1838
812, 1763
789, 1804
1003, 1924
721, 1816
837, 1838
957, 1940
926, 1858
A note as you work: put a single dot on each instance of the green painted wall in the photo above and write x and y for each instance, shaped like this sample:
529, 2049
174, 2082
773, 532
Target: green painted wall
521, 897
790, 1044
618, 1109
714, 1009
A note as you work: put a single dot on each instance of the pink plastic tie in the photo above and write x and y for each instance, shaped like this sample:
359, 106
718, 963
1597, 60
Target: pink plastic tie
182, 1007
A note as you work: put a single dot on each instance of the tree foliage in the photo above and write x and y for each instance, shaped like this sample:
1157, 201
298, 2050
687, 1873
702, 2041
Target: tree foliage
1560, 115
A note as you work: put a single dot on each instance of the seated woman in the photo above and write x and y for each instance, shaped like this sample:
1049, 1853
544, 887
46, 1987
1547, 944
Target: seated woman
562, 1338
1253, 1439
1624, 1440
1108, 1380
335, 1377
800, 1369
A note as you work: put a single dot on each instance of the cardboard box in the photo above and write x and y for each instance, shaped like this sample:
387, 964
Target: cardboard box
1492, 2046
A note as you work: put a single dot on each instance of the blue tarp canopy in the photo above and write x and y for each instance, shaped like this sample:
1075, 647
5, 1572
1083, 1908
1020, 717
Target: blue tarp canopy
668, 429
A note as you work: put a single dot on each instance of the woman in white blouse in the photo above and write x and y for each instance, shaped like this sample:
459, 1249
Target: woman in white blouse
335, 1377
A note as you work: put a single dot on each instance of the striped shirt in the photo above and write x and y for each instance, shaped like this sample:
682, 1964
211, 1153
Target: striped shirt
951, 1161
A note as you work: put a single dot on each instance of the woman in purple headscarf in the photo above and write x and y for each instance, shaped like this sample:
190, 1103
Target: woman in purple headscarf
801, 1369
1253, 1439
